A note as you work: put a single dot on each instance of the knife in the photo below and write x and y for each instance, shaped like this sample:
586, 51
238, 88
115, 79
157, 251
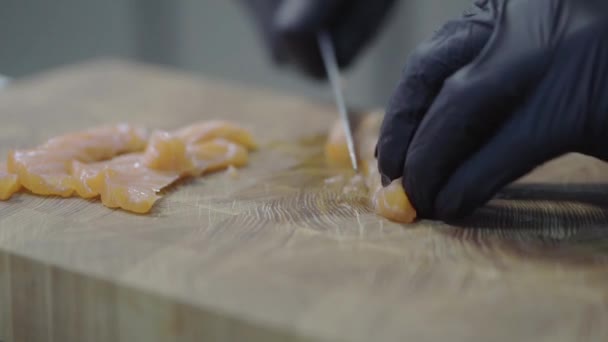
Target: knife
333, 73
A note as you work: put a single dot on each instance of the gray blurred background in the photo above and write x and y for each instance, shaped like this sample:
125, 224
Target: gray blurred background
206, 37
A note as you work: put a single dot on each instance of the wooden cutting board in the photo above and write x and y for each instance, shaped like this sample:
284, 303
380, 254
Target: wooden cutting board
275, 255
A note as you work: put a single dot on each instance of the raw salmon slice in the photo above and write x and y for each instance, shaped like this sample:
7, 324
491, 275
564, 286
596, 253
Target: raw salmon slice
131, 187
45, 170
9, 183
119, 165
83, 175
123, 182
130, 183
100, 143
168, 152
217, 155
210, 130
135, 187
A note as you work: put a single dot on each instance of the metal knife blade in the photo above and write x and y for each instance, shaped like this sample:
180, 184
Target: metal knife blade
331, 65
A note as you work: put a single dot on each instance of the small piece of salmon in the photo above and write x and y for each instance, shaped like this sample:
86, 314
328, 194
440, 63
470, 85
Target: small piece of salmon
211, 130
131, 186
168, 152
9, 183
218, 154
390, 202
83, 174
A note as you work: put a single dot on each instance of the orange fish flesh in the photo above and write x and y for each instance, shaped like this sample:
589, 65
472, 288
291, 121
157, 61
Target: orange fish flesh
390, 202
210, 130
9, 183
123, 168
45, 170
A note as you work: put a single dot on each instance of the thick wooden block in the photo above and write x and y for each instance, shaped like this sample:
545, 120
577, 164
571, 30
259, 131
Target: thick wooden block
6, 311
277, 254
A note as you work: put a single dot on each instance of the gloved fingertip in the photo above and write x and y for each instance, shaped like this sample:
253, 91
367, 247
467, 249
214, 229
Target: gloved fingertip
386, 181
391, 154
395, 134
419, 180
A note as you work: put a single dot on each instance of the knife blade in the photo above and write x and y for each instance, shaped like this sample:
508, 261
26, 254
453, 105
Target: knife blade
331, 65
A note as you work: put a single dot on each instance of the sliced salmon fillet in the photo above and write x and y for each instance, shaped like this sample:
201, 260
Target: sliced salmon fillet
100, 143
119, 165
123, 182
210, 130
168, 152
218, 154
132, 182
45, 170
40, 171
9, 183
131, 186
84, 174
133, 189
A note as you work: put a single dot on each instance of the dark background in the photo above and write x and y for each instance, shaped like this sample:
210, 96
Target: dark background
208, 37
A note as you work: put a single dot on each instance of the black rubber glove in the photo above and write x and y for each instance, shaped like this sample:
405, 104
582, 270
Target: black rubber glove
492, 96
290, 29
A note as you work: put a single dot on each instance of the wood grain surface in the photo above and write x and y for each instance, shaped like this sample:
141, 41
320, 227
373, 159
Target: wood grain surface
277, 254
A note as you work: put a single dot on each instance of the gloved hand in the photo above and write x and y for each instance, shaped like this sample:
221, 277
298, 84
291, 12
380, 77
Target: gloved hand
290, 29
493, 95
